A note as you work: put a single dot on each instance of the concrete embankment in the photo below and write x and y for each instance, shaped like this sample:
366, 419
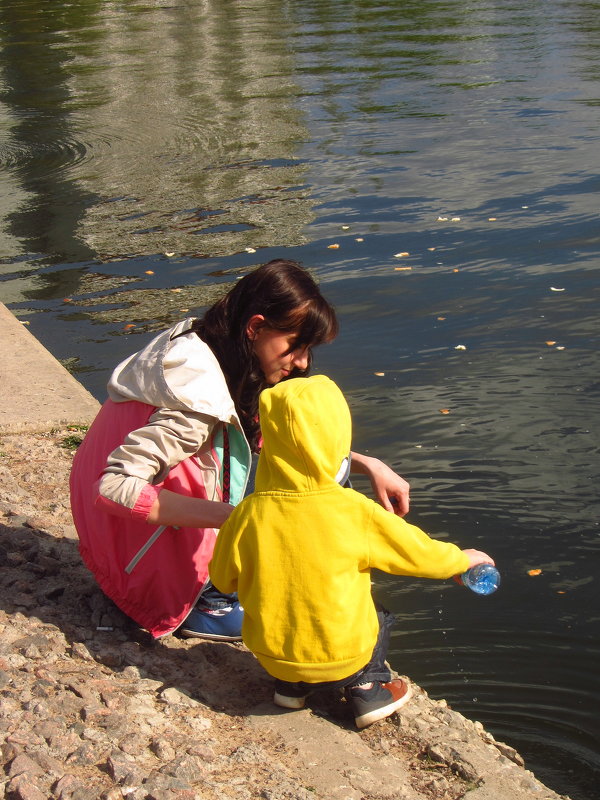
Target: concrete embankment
92, 709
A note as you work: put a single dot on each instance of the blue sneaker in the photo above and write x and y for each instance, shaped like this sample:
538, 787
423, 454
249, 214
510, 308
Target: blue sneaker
221, 624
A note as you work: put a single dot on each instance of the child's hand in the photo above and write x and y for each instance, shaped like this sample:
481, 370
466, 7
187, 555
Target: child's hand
477, 557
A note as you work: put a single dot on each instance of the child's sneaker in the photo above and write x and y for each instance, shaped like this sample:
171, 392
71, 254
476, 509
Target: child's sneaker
220, 624
289, 695
378, 702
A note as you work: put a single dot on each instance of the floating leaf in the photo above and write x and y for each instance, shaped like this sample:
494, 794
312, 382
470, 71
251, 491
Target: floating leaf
67, 299
149, 272
131, 325
169, 255
431, 249
379, 374
492, 219
402, 269
442, 219
460, 347
550, 343
176, 290
533, 572
401, 255
455, 219
345, 227
249, 249
359, 239
560, 347
441, 319
444, 410
332, 246
455, 270
554, 289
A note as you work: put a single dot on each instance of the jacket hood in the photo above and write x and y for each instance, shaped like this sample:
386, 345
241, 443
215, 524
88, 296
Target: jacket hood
307, 430
175, 370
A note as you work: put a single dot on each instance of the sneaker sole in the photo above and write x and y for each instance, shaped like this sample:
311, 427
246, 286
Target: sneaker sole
213, 636
381, 713
284, 701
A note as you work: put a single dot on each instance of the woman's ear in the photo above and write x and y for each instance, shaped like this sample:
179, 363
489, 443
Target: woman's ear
255, 323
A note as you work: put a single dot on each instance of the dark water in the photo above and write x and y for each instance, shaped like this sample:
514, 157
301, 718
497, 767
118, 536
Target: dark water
145, 147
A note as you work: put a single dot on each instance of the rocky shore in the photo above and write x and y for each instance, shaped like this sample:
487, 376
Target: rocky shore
92, 709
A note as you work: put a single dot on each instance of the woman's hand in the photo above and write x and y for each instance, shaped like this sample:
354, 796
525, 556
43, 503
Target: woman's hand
392, 491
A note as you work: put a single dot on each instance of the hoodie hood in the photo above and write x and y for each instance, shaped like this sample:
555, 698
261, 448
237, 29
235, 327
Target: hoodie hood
307, 431
175, 370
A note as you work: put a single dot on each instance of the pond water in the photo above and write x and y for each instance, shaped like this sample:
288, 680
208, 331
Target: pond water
435, 164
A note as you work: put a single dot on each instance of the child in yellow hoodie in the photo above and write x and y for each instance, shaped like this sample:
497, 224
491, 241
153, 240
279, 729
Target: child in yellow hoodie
299, 552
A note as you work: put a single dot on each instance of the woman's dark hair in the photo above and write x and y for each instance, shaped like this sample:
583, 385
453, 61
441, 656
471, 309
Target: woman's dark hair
290, 300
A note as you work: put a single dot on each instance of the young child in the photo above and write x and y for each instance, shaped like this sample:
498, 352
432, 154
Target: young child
299, 551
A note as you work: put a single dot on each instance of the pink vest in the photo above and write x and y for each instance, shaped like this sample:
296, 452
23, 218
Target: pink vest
156, 587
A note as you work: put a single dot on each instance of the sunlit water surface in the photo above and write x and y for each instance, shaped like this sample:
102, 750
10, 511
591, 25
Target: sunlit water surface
436, 165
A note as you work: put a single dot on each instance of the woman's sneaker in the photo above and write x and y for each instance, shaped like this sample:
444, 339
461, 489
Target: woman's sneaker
378, 702
221, 624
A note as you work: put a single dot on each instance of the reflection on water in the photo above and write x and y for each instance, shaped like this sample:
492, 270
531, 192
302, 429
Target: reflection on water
155, 151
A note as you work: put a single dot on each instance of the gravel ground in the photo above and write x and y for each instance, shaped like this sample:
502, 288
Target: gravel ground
92, 708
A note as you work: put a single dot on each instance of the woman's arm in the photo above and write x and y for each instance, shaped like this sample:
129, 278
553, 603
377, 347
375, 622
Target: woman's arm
171, 508
392, 491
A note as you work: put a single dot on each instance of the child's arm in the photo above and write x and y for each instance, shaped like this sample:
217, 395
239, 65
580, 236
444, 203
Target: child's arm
391, 491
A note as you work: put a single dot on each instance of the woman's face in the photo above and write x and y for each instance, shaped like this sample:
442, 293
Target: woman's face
276, 350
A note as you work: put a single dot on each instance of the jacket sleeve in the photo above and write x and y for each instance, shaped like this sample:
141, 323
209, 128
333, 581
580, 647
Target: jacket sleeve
126, 485
224, 568
399, 548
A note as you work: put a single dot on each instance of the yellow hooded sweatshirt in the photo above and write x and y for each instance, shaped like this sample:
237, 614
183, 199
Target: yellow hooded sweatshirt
300, 549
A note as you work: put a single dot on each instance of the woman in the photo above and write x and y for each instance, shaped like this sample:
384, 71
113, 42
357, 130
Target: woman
169, 454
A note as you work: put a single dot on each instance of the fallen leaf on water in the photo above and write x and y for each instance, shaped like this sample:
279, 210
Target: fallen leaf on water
24, 322
444, 410
359, 239
550, 343
560, 347
431, 249
332, 246
67, 300
455, 219
561, 591
249, 249
554, 289
460, 347
441, 318
401, 255
492, 219
533, 572
169, 255
455, 270
379, 374
442, 219
345, 227
402, 269
176, 290
149, 272
129, 326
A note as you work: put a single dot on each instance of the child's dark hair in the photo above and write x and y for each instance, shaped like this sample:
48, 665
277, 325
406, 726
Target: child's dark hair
290, 300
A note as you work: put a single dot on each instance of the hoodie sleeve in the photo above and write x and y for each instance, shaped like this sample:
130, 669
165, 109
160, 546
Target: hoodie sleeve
147, 455
399, 548
225, 566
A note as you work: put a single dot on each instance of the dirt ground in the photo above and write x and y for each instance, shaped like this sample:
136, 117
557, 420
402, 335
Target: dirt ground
187, 718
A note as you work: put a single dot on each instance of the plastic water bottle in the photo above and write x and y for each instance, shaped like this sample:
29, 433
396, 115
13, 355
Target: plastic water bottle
482, 579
